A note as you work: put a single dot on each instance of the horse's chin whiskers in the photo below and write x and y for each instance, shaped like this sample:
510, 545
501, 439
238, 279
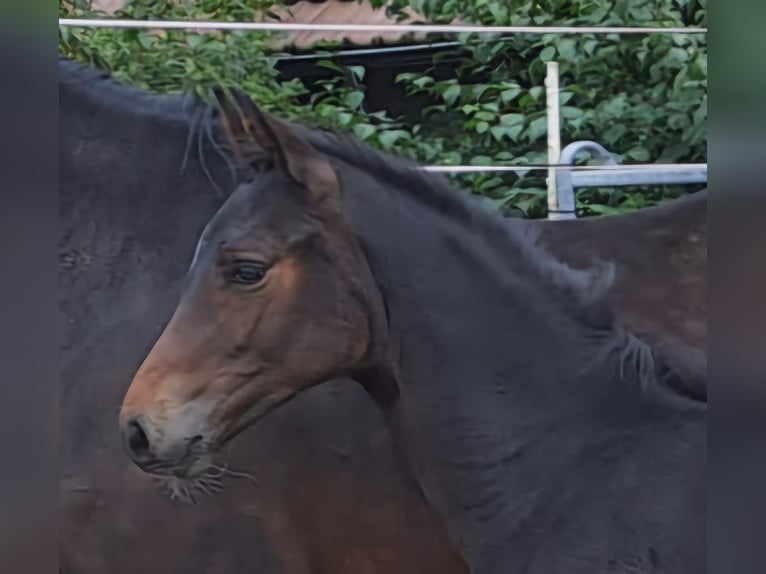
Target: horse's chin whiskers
210, 482
183, 489
226, 471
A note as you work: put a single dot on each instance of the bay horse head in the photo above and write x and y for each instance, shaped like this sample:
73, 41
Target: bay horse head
278, 298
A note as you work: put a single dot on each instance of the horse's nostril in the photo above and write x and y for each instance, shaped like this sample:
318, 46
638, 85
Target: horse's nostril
136, 439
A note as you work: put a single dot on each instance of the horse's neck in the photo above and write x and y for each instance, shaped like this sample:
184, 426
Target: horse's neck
472, 339
488, 367
457, 309
485, 368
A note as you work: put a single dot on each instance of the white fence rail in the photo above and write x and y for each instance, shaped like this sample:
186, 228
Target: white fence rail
421, 28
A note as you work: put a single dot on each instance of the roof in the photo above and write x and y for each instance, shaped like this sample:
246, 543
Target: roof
321, 12
338, 12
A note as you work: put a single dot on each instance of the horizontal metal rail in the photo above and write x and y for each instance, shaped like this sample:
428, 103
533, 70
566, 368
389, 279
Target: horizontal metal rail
418, 28
647, 168
639, 177
611, 174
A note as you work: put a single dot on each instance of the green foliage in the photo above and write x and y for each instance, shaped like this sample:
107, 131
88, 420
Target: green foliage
644, 96
179, 60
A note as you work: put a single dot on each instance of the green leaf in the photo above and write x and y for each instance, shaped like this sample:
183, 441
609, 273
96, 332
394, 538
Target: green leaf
604, 209
511, 119
639, 154
567, 49
345, 118
565, 96
499, 12
358, 72
537, 128
478, 91
526, 100
481, 160
614, 132
423, 81
451, 94
353, 99
195, 40
536, 92
548, 54
437, 108
678, 121
452, 158
512, 132
673, 153
364, 131
485, 116
523, 205
491, 183
389, 138
146, 39
509, 94
571, 112
330, 66
700, 114
482, 127
677, 55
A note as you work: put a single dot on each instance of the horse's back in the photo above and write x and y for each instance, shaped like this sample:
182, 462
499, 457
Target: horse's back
660, 254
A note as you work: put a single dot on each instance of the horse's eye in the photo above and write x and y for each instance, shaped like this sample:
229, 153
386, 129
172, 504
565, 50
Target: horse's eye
248, 273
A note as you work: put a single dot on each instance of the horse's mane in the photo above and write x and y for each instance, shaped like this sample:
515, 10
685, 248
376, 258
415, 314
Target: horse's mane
187, 109
584, 292
438, 194
102, 88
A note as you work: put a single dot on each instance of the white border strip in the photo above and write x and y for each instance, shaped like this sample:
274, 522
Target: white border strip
425, 28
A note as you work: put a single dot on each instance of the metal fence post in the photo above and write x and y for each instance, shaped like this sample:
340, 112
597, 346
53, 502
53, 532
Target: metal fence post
558, 207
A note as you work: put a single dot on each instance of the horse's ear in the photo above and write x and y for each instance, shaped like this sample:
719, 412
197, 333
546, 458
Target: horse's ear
246, 125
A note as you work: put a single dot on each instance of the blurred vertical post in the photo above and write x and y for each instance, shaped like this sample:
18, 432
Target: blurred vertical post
554, 138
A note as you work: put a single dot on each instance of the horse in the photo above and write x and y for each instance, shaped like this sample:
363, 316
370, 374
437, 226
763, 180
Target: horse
107, 131
331, 494
545, 436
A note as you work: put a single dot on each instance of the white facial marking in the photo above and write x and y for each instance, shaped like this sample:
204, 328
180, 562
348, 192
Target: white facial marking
199, 246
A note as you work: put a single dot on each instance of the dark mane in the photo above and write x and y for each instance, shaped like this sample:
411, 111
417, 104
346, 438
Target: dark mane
437, 193
104, 91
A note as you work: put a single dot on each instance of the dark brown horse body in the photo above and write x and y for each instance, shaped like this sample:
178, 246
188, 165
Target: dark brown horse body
660, 291
331, 496
660, 253
545, 435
